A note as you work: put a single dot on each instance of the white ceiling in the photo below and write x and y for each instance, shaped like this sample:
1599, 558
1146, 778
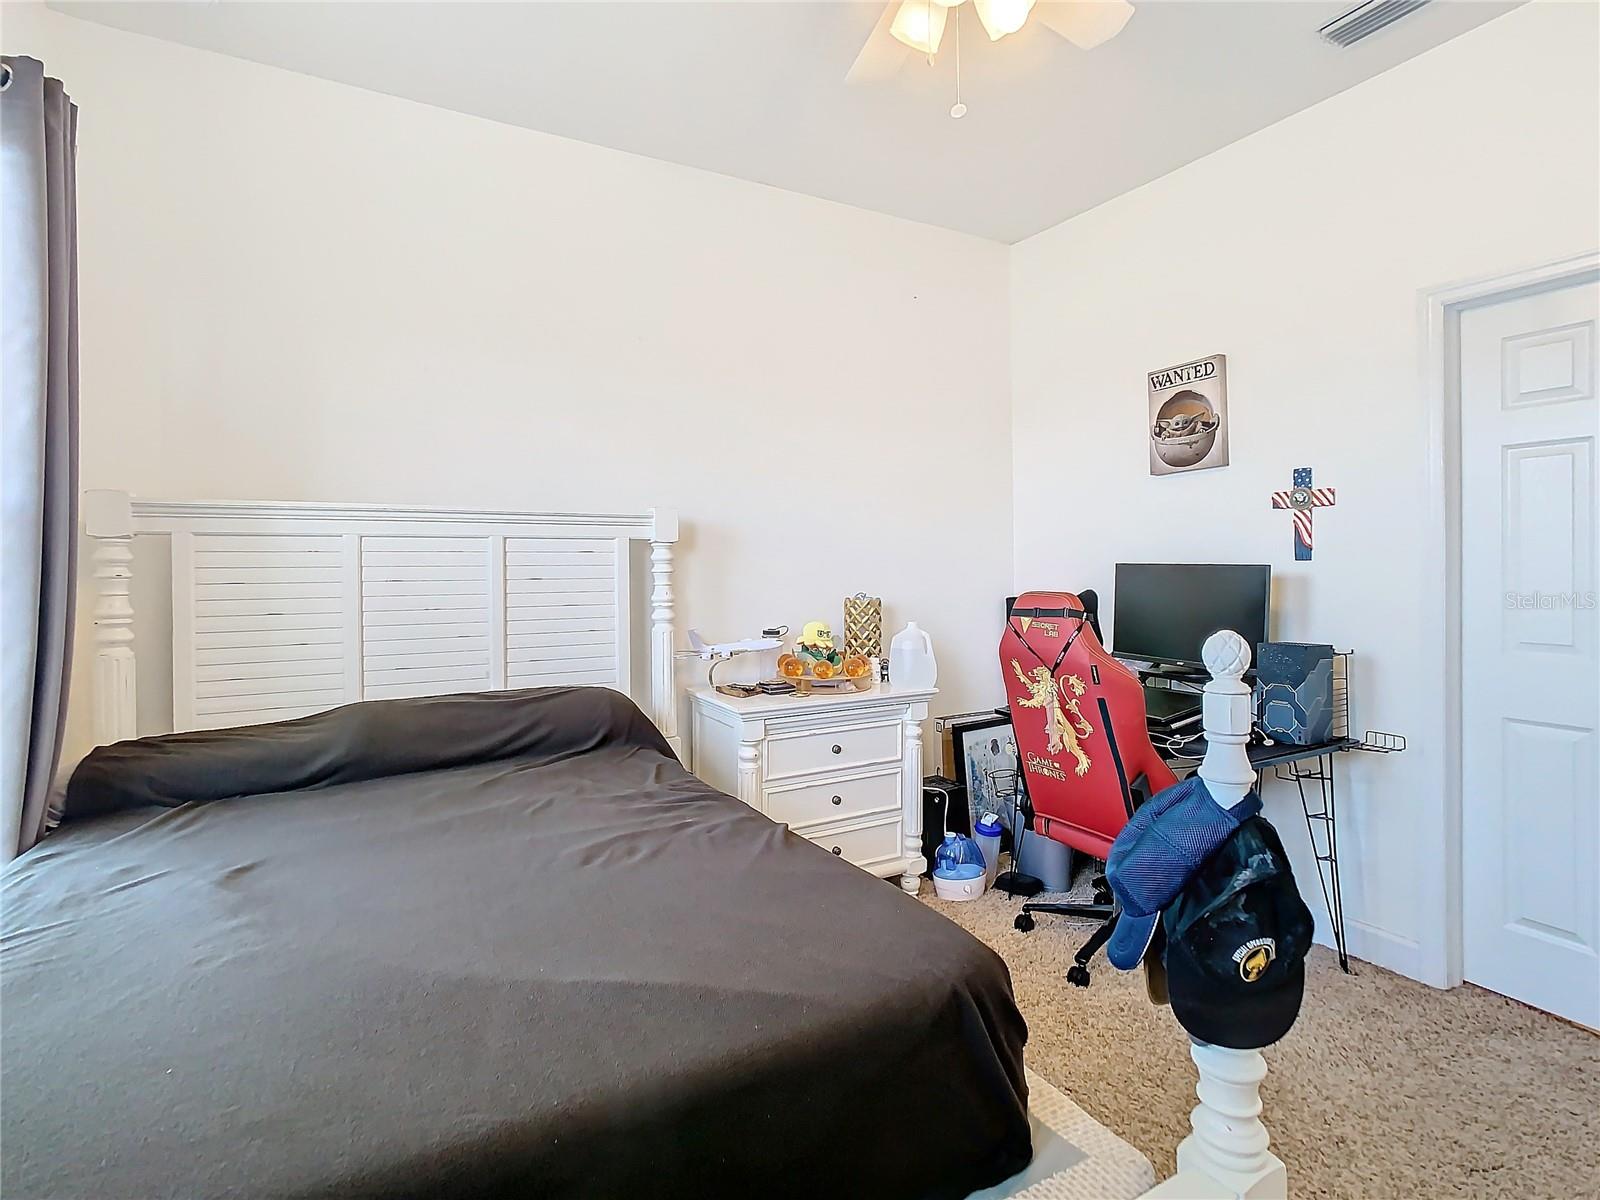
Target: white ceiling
756, 90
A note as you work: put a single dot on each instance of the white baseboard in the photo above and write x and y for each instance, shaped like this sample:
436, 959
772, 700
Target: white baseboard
1390, 950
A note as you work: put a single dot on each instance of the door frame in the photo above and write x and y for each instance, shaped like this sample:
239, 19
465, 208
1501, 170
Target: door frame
1440, 900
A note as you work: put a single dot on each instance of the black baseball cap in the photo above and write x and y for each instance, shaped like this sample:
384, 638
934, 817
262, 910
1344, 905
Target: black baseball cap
1237, 937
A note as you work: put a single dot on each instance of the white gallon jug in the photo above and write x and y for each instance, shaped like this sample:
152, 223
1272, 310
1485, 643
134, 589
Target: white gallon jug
911, 661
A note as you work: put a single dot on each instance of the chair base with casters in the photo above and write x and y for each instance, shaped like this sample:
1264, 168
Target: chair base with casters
1102, 909
1078, 972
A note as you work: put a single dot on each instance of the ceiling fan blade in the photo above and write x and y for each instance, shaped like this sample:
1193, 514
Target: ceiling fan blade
1085, 23
881, 56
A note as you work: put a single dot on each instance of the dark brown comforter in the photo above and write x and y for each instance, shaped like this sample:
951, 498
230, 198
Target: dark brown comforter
495, 945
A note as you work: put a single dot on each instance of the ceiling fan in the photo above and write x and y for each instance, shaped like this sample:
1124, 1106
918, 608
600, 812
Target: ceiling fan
917, 27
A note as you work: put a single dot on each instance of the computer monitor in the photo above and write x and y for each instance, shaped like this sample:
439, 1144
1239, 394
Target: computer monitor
1164, 612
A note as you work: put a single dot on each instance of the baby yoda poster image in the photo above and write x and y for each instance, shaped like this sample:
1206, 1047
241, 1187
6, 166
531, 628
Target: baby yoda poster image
1189, 416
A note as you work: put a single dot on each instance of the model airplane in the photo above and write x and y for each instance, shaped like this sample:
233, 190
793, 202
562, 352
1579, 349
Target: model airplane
701, 648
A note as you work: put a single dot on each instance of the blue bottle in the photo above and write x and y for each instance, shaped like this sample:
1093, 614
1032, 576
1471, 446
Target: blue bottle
987, 832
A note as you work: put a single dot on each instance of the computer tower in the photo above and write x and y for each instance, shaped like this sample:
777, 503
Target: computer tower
1294, 692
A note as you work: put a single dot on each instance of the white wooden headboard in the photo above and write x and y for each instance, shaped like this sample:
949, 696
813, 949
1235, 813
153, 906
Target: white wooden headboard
280, 609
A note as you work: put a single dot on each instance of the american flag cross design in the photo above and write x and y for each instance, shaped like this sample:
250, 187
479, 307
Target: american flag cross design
1300, 500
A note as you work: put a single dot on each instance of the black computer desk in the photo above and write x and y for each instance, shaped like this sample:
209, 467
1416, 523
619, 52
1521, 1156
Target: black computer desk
1302, 766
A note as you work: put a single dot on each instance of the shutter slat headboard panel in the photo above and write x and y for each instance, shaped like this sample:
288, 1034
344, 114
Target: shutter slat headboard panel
406, 594
264, 636
561, 606
279, 610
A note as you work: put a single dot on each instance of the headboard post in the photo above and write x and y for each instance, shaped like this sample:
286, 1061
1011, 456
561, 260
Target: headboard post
663, 688
108, 520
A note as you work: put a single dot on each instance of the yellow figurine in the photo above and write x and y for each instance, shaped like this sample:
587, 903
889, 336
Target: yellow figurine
817, 633
816, 646
817, 659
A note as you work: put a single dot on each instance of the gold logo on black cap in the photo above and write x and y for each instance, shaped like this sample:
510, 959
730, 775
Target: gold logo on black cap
1254, 957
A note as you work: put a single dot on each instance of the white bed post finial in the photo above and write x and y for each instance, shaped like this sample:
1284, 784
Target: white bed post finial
663, 684
1226, 717
1229, 1144
108, 519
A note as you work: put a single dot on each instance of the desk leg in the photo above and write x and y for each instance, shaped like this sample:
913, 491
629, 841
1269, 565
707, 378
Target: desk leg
1321, 813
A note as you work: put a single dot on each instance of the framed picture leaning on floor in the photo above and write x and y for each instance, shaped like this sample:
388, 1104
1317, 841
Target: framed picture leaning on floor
984, 751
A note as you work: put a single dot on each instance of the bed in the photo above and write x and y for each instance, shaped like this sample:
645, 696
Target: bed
496, 943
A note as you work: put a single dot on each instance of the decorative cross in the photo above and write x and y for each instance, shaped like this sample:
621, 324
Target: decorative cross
1301, 499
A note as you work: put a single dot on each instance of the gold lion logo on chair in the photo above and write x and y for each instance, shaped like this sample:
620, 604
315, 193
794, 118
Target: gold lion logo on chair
1062, 721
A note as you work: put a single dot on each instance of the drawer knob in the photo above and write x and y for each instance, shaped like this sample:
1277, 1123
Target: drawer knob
838, 749
838, 800
838, 850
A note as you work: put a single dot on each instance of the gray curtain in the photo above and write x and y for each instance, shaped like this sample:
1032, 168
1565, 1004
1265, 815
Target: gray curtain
38, 438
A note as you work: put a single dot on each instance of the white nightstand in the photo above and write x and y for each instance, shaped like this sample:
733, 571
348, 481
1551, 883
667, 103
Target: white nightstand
843, 768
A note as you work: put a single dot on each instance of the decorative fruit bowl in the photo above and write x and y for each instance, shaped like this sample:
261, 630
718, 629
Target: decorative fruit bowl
817, 662
831, 671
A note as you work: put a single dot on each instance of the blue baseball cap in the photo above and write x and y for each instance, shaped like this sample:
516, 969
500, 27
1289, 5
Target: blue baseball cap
1163, 844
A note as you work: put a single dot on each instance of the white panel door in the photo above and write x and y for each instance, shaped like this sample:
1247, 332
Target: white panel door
1531, 651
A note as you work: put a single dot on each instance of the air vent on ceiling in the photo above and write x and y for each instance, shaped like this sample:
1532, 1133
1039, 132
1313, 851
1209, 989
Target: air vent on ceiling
1366, 19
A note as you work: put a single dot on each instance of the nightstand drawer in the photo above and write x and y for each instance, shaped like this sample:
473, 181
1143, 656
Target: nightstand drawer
865, 846
835, 800
855, 746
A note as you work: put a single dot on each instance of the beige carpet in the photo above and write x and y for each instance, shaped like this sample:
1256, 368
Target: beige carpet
1383, 1088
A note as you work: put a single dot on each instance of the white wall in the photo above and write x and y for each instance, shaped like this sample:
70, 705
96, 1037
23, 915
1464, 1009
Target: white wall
1300, 252
292, 289
277, 270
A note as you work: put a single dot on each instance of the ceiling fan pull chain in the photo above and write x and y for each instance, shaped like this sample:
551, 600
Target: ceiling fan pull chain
958, 109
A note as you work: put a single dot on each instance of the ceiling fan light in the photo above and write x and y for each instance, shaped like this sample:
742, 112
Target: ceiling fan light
1087, 23
1000, 17
920, 25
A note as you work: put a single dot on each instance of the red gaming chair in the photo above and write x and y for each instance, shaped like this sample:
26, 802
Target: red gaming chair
1079, 719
